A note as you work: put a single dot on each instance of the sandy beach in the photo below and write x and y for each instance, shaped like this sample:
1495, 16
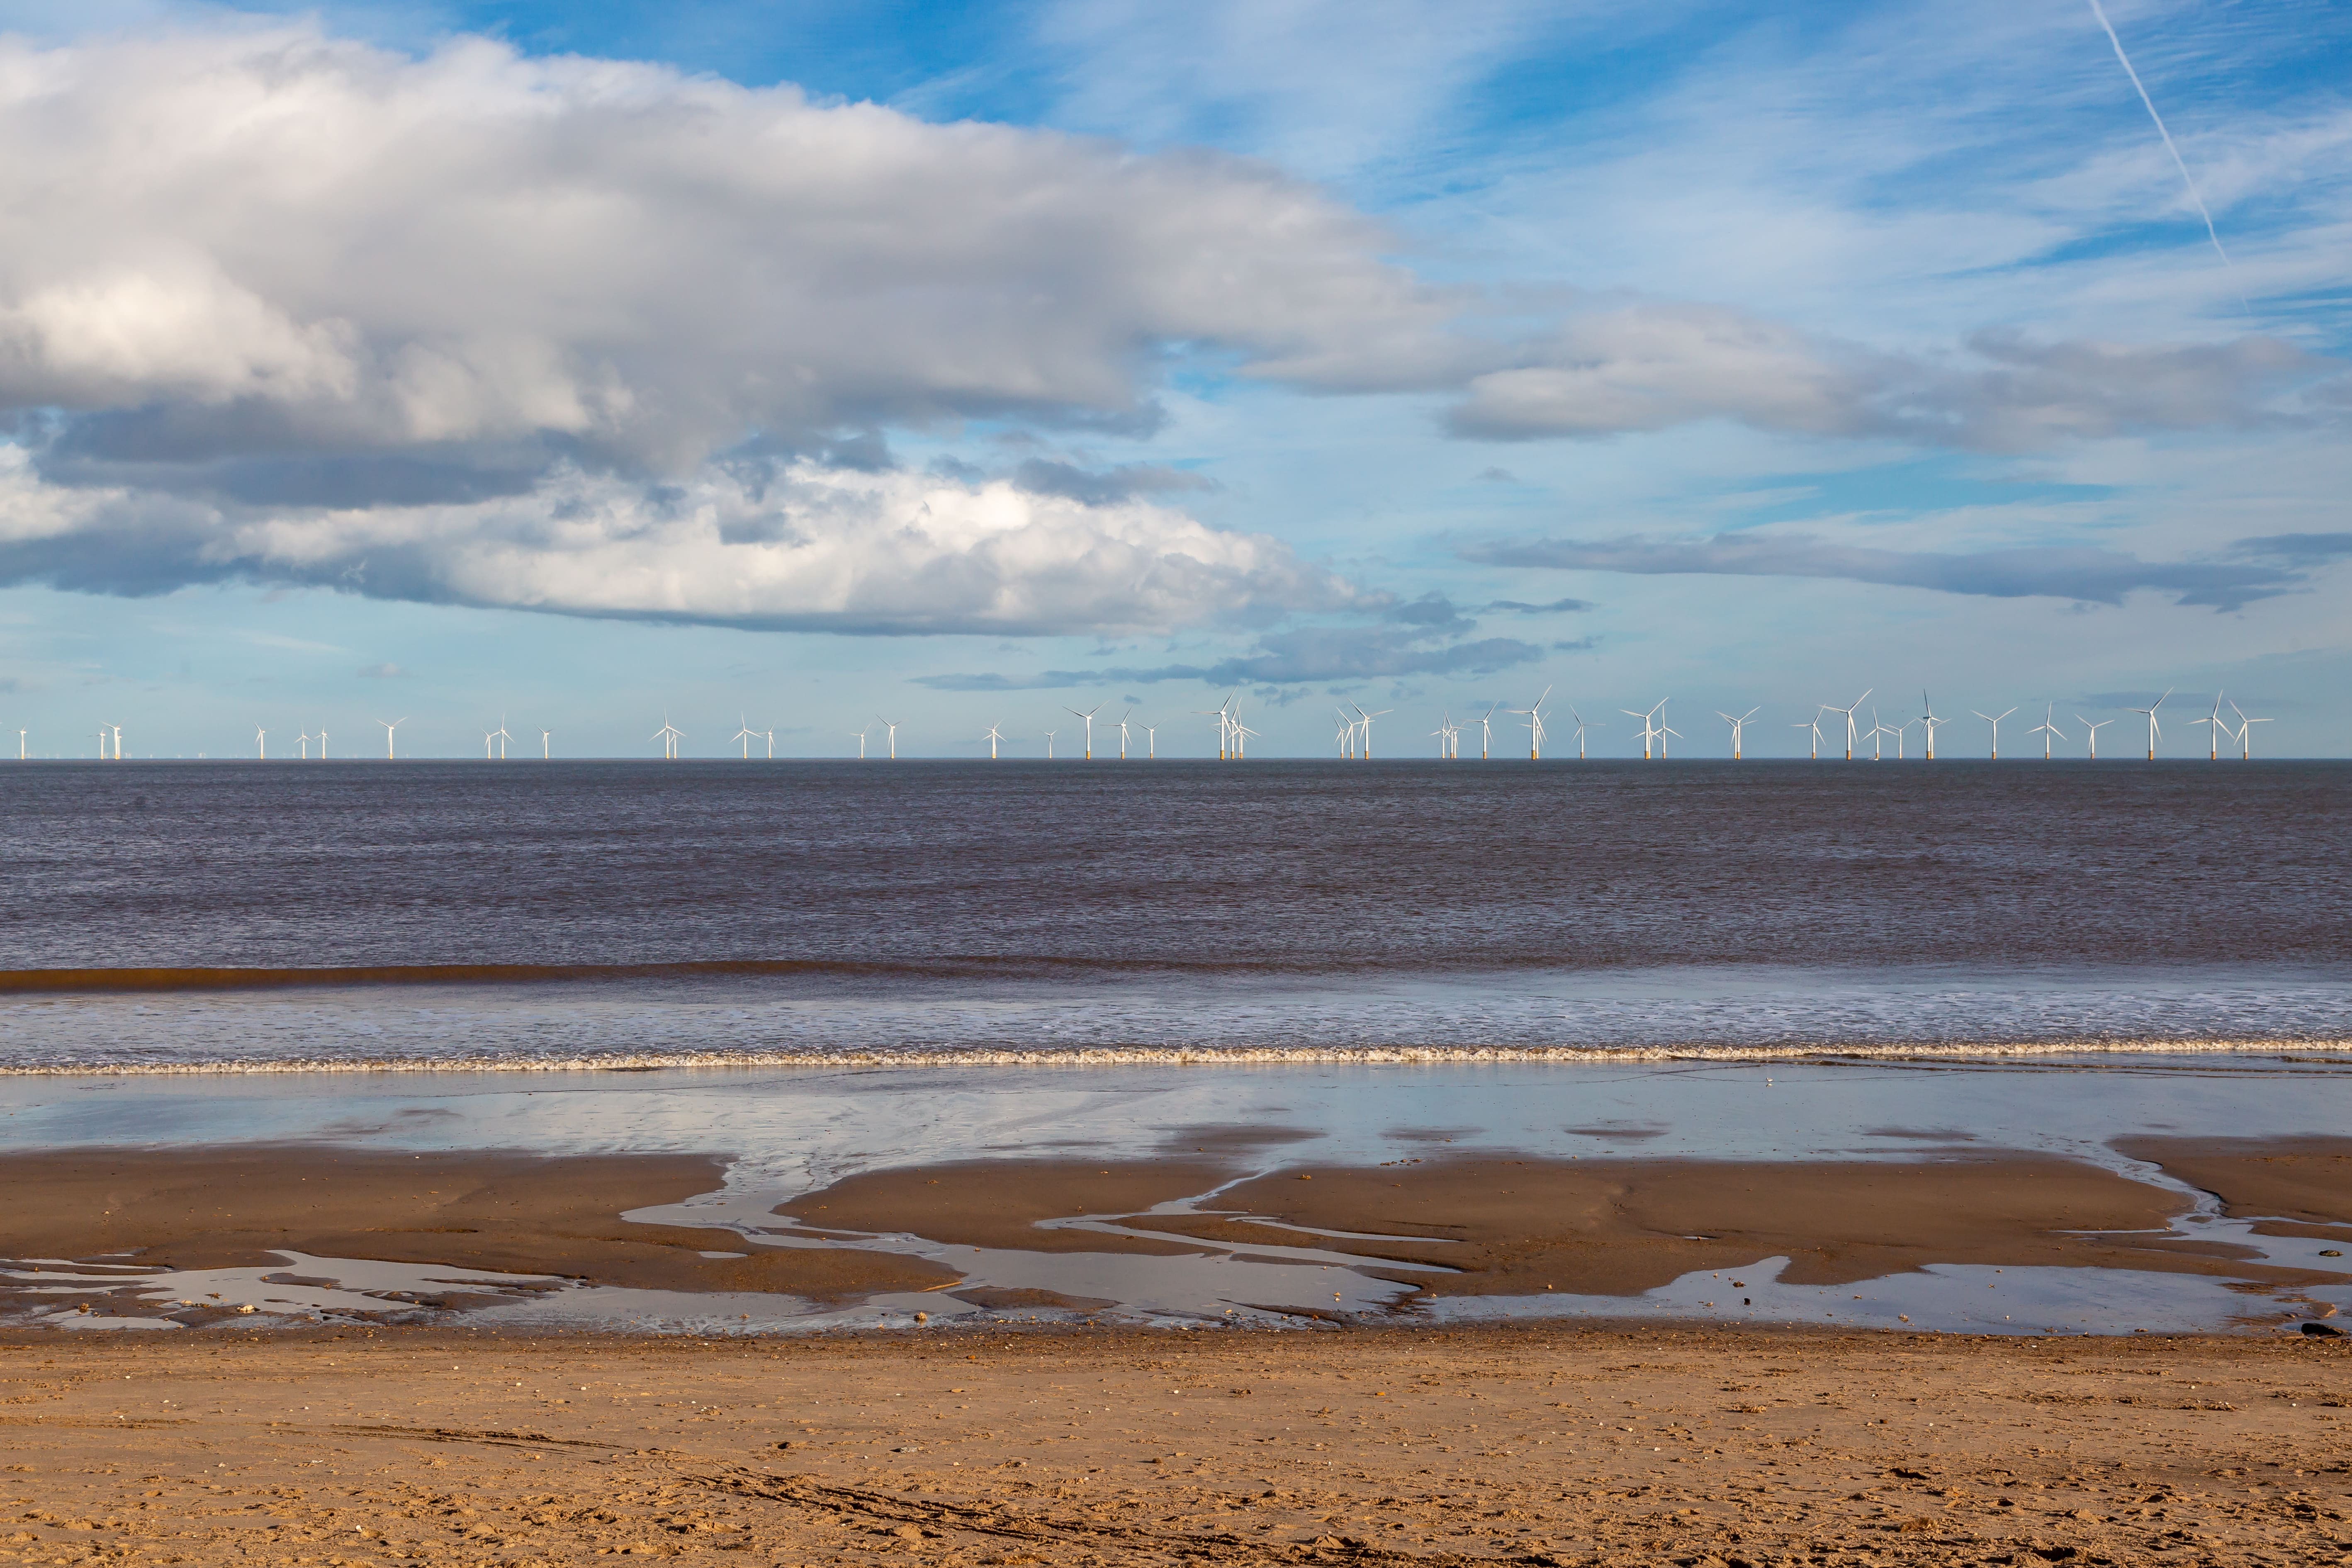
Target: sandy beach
1539, 1445
1300, 1438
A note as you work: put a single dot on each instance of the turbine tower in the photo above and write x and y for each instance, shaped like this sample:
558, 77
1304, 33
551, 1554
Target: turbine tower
2047, 730
1533, 714
1122, 732
1928, 721
1649, 725
1367, 722
2215, 729
260, 742
746, 734
2093, 730
1994, 719
1580, 728
669, 736
545, 749
1848, 711
1487, 728
1151, 743
1814, 724
992, 738
501, 737
893, 736
2245, 728
1738, 728
1089, 717
388, 726
2154, 732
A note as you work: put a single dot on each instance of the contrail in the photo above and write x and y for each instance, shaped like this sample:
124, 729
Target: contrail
2177, 162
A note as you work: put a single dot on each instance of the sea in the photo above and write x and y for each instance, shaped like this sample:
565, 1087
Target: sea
816, 969
160, 917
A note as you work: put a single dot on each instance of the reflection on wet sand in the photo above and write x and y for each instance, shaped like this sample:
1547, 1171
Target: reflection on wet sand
1983, 1242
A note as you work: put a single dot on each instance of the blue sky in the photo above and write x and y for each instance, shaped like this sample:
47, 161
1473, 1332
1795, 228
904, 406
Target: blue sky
797, 364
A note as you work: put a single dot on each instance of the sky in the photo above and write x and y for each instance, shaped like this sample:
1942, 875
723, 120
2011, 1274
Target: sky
789, 368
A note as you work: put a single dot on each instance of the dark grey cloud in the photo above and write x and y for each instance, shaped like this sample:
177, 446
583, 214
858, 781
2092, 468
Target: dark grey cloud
1432, 615
1653, 365
1558, 606
1283, 658
2099, 576
2296, 549
1041, 476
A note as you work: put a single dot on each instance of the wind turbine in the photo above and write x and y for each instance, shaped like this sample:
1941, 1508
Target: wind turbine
1533, 714
1224, 723
1649, 728
1877, 744
1122, 732
1151, 743
1049, 744
770, 734
1580, 728
1994, 719
118, 740
1814, 724
2153, 732
1345, 735
2093, 731
1928, 721
260, 741
893, 730
1368, 718
502, 736
1444, 728
1738, 728
1848, 711
669, 736
861, 745
322, 743
746, 734
1242, 733
2215, 729
1899, 729
1487, 728
388, 726
486, 739
1089, 717
2245, 728
2047, 730
546, 750
992, 737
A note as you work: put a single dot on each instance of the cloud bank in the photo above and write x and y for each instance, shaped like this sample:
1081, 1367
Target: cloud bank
793, 547
2099, 576
600, 337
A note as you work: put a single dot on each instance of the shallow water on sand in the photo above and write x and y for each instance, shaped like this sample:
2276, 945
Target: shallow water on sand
793, 1131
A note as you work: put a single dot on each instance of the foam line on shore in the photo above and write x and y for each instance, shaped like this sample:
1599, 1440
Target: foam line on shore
1154, 1055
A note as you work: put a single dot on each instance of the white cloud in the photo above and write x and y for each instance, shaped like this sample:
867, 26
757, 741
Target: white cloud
754, 544
500, 330
312, 240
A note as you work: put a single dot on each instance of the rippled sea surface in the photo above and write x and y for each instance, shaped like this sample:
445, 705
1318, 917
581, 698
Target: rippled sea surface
528, 913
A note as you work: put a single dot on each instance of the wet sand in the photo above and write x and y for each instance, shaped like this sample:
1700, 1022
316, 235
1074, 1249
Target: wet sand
526, 1214
1610, 1227
1524, 1445
2289, 1186
1493, 1228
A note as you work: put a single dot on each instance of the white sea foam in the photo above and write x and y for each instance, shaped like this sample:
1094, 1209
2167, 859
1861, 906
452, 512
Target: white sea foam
2332, 1052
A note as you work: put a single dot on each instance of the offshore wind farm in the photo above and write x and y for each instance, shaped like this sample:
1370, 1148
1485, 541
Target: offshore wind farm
2225, 736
